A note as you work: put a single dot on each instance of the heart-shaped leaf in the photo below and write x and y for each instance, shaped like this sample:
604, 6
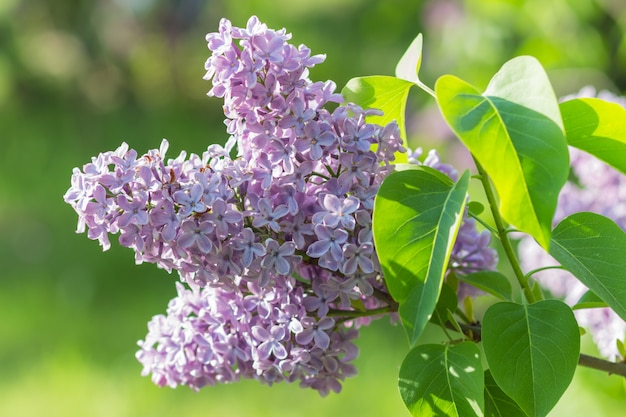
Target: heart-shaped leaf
598, 127
514, 130
592, 247
417, 214
442, 380
532, 351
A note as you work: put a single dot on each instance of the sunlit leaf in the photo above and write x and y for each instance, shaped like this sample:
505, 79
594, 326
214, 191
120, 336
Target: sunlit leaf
442, 380
514, 130
532, 351
417, 214
385, 93
592, 247
409, 65
598, 127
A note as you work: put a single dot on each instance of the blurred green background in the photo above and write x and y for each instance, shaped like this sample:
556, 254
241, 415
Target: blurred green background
78, 77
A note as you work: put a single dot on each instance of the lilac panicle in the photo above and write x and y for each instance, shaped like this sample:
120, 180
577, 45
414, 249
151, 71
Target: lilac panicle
275, 244
600, 189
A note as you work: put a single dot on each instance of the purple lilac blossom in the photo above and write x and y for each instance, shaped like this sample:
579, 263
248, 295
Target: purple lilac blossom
601, 189
273, 245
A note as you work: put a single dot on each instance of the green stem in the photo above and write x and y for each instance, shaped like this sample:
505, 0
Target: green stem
484, 223
426, 88
534, 271
504, 237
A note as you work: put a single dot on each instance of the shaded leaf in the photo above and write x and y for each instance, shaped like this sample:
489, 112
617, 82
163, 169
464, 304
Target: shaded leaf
589, 300
532, 351
492, 282
514, 130
592, 247
442, 380
497, 403
447, 301
417, 214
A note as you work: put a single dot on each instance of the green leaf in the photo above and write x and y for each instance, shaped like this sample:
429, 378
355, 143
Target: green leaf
442, 380
475, 208
385, 93
532, 351
592, 248
447, 301
497, 403
409, 65
417, 215
598, 127
492, 282
514, 130
589, 300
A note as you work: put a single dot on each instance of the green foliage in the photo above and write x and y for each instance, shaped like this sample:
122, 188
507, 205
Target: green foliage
385, 93
497, 403
415, 243
589, 300
492, 282
408, 67
532, 351
592, 248
443, 380
598, 127
515, 131
447, 302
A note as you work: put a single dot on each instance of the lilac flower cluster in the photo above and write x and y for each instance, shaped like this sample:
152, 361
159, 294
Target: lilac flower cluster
600, 189
275, 245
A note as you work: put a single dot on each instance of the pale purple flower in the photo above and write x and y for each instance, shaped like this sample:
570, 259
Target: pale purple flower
195, 234
329, 242
337, 210
236, 231
316, 331
268, 215
223, 218
358, 256
247, 242
279, 257
270, 342
164, 215
134, 211
190, 200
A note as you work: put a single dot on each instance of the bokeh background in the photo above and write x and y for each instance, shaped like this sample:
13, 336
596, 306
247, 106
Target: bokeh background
78, 77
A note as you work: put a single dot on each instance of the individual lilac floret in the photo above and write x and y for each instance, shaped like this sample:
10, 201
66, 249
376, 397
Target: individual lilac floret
601, 189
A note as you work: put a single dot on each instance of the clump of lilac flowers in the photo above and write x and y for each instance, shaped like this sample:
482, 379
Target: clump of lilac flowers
601, 189
274, 245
